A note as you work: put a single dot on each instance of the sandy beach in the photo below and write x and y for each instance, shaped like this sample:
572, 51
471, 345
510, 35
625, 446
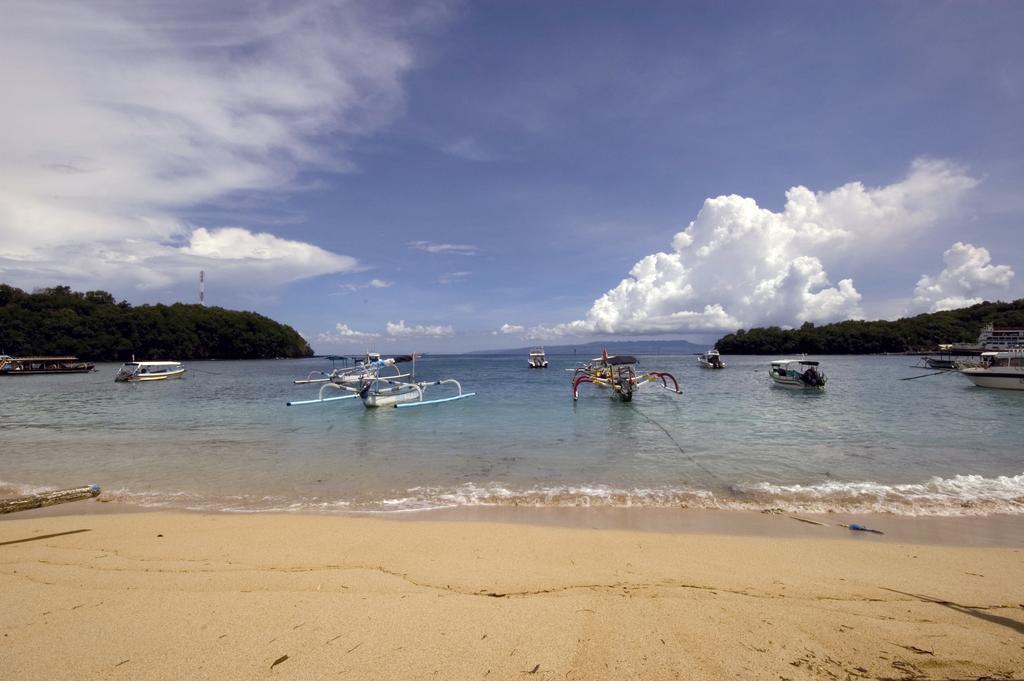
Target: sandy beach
189, 596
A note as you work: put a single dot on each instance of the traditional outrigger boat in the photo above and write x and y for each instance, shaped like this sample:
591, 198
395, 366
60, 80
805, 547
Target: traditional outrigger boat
710, 360
797, 373
618, 372
370, 365
377, 389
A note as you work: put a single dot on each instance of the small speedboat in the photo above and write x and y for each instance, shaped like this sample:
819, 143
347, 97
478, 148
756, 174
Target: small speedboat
797, 373
711, 360
537, 359
132, 372
1003, 370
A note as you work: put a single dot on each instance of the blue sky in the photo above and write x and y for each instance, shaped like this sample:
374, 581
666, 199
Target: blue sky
455, 176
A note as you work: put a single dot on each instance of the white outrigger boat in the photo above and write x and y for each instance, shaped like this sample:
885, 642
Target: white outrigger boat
537, 359
1003, 370
370, 365
133, 372
711, 360
377, 389
797, 373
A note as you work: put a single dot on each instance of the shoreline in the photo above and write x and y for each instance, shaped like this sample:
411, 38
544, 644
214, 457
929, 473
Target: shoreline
162, 595
995, 530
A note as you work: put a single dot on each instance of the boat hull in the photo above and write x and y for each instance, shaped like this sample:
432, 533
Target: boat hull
152, 377
1003, 380
794, 384
390, 398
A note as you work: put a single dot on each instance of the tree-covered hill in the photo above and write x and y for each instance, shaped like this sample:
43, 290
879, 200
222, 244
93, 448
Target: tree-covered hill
93, 326
921, 333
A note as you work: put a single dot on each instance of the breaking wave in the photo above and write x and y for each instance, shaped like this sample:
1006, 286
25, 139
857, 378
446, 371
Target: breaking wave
960, 495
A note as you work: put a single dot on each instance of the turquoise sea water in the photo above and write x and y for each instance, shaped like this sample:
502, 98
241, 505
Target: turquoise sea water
223, 439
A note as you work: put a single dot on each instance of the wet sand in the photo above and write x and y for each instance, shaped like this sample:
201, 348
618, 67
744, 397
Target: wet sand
171, 596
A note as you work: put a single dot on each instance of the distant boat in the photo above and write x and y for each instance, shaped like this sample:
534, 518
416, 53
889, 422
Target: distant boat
797, 373
132, 372
1003, 370
28, 366
537, 359
711, 360
940, 363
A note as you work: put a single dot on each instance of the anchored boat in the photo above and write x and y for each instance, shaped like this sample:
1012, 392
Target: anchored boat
1003, 370
378, 389
537, 359
370, 365
133, 372
710, 360
619, 374
29, 366
797, 373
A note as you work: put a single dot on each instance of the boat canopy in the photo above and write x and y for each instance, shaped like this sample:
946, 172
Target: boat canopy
805, 362
152, 364
616, 360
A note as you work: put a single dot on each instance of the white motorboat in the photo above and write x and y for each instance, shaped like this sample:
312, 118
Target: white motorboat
1004, 370
537, 359
711, 360
132, 372
797, 373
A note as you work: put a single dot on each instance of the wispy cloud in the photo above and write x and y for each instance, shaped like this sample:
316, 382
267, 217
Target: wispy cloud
373, 283
453, 249
469, 149
453, 277
400, 330
120, 116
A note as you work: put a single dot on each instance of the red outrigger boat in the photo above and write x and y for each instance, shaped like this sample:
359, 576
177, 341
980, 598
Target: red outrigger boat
619, 372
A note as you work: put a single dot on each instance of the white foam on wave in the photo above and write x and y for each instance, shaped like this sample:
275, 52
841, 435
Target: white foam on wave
955, 496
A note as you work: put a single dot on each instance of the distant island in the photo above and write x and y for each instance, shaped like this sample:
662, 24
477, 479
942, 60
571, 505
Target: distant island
594, 348
93, 326
911, 334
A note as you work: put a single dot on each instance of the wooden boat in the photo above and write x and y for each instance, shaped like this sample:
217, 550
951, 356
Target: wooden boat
135, 372
29, 366
1004, 370
618, 373
797, 373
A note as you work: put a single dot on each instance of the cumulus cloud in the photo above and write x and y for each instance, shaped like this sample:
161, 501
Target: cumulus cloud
342, 333
968, 275
400, 330
740, 265
453, 249
510, 329
121, 116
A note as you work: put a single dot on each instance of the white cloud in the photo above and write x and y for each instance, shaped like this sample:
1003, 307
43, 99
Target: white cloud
968, 276
469, 149
453, 277
510, 329
453, 249
120, 116
400, 330
342, 333
373, 283
740, 265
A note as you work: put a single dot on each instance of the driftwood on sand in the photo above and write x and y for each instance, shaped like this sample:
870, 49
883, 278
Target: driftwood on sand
50, 498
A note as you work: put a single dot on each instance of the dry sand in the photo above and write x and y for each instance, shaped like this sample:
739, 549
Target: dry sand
180, 596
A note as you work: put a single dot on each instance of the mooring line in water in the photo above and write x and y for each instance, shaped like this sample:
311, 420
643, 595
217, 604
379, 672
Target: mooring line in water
682, 451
